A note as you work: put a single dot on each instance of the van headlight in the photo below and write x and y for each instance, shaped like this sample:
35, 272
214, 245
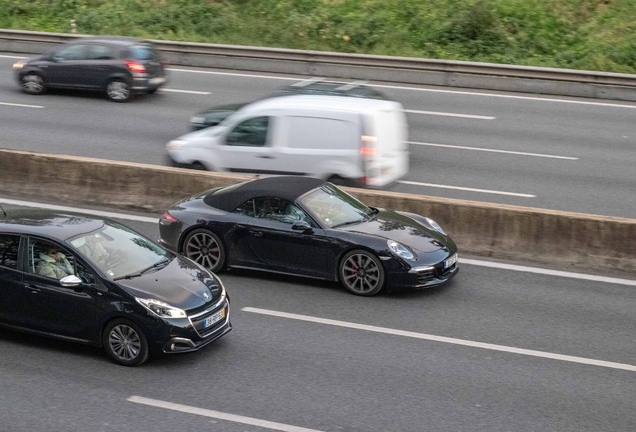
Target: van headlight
435, 225
400, 250
176, 145
161, 309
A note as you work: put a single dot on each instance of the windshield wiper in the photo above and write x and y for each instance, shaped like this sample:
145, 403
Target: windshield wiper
156, 265
350, 222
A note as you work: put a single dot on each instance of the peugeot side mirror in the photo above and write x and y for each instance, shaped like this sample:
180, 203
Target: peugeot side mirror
70, 281
302, 225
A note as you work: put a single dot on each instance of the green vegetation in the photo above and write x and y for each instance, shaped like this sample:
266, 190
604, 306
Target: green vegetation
577, 34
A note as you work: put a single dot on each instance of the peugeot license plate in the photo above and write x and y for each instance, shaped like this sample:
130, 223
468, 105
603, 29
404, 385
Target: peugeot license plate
209, 321
449, 262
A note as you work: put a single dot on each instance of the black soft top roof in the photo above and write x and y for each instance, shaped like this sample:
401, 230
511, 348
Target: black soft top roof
287, 187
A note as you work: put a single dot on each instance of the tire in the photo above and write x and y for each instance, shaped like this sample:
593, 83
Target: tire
118, 90
33, 84
125, 343
205, 248
361, 273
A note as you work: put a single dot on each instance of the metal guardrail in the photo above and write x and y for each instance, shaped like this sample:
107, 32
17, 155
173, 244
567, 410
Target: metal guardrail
189, 50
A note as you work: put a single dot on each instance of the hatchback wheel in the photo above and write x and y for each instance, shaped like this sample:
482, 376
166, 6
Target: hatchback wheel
205, 248
362, 273
118, 91
125, 343
33, 83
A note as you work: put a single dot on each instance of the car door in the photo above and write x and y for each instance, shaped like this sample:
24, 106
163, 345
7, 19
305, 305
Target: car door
280, 248
66, 67
247, 148
55, 309
14, 299
101, 63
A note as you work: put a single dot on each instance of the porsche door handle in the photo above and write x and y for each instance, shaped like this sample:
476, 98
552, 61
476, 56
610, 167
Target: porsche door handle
266, 157
256, 233
33, 288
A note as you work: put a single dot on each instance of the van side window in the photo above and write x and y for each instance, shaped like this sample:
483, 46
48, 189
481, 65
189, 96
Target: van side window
9, 245
251, 132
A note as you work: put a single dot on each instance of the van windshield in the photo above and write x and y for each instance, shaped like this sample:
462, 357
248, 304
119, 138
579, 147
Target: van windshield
334, 207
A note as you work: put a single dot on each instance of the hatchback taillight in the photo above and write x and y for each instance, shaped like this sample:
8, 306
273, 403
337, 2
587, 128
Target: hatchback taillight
136, 67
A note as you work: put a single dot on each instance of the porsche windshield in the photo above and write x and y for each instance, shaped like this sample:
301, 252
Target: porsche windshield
334, 207
118, 251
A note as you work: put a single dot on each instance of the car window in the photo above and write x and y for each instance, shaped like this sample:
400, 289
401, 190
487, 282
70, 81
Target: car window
252, 132
9, 246
48, 259
73, 52
333, 206
145, 51
85, 274
248, 208
101, 52
278, 209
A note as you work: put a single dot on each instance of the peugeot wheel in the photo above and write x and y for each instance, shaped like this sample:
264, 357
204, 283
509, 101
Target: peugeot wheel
361, 273
118, 91
204, 247
33, 83
125, 343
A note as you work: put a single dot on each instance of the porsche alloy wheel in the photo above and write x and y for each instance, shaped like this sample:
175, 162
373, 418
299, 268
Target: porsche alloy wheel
362, 273
205, 248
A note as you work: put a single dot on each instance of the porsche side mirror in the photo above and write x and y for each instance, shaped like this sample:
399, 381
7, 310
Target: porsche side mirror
302, 225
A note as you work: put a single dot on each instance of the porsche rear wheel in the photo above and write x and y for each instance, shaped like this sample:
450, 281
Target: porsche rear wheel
362, 273
204, 247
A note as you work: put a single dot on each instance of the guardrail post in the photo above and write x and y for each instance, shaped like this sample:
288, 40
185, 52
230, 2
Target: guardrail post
73, 26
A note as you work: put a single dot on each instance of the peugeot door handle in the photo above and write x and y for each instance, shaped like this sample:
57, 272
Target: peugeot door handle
266, 157
33, 288
256, 233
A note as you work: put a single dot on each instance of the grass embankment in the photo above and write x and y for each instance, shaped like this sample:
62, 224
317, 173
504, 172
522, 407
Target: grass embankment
577, 34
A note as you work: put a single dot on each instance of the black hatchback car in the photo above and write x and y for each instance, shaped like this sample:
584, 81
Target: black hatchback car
94, 281
120, 66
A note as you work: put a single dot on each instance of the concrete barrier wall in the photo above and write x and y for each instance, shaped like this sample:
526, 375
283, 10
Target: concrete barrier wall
546, 237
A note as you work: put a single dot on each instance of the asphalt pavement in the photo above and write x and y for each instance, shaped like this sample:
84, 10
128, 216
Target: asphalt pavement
557, 153
483, 353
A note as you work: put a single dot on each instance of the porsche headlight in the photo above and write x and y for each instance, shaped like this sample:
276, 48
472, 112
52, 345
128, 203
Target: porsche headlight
161, 309
400, 250
435, 225
176, 145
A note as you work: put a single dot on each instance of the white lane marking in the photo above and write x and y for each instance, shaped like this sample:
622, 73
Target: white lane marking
443, 339
492, 150
548, 272
247, 75
218, 415
184, 91
79, 210
20, 105
12, 57
450, 114
466, 189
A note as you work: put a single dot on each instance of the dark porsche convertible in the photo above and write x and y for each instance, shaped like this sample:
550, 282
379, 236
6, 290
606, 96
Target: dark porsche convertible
309, 227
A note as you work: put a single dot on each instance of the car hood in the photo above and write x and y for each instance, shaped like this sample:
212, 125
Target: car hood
180, 284
402, 229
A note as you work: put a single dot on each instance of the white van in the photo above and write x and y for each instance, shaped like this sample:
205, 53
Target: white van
353, 141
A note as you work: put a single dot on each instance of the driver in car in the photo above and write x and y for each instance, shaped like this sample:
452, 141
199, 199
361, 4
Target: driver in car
94, 251
53, 264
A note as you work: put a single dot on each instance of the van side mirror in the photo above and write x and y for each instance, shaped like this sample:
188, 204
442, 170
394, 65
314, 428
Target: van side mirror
301, 225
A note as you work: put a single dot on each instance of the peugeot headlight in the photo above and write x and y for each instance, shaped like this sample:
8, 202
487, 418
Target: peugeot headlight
435, 225
19, 64
161, 309
176, 145
400, 250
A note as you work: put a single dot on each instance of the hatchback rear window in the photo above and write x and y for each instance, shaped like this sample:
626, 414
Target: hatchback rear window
144, 52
